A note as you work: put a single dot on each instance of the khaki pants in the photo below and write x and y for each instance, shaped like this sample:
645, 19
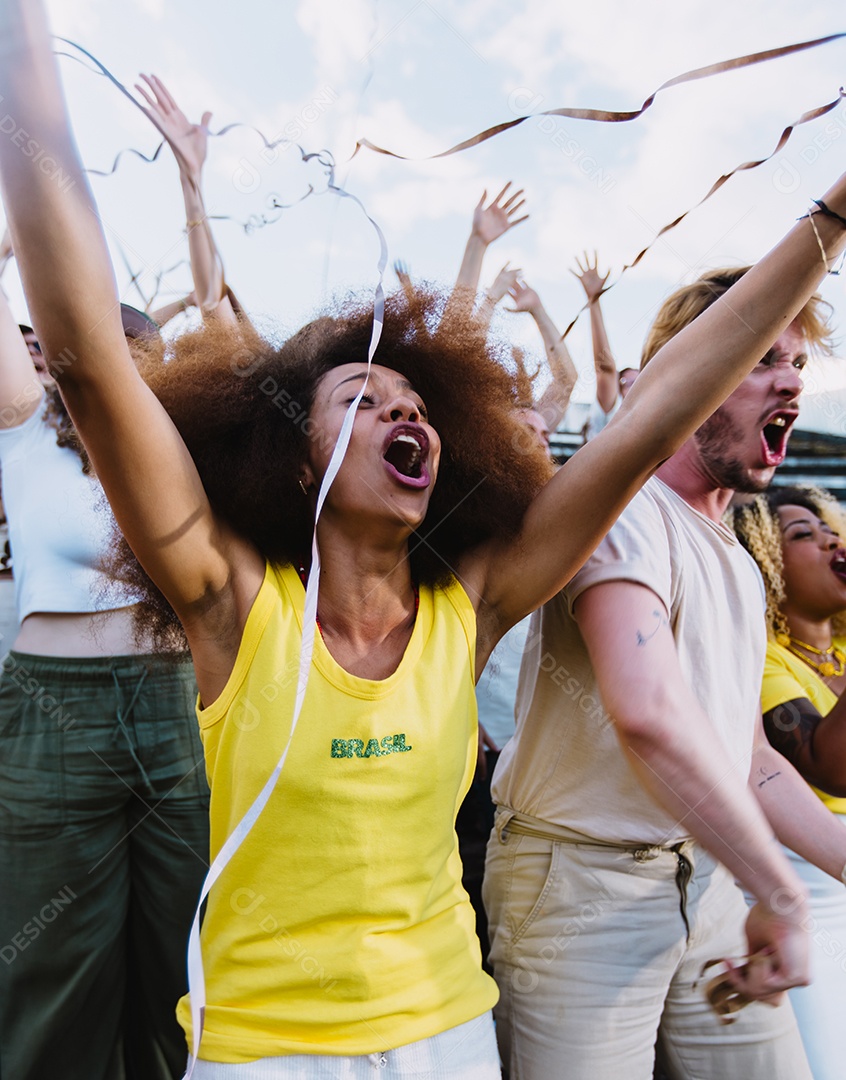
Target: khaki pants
598, 951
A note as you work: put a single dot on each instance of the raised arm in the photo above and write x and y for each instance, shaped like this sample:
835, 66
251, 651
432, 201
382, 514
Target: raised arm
554, 401
189, 143
603, 359
695, 371
501, 287
403, 273
489, 223
169, 311
138, 455
678, 758
20, 387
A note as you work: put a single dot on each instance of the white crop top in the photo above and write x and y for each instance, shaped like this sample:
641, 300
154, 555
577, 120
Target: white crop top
59, 524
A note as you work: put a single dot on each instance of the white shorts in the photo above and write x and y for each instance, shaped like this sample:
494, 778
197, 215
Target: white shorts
466, 1052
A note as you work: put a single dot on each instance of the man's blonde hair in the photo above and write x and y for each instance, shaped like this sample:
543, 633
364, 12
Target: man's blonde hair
683, 306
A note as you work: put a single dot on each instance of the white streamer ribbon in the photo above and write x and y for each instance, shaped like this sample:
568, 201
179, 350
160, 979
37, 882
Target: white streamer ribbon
196, 974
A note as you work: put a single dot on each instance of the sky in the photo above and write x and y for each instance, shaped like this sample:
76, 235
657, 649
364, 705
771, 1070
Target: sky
418, 76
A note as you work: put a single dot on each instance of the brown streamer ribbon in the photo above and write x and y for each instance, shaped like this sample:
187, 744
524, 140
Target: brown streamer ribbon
606, 116
811, 114
596, 115
614, 117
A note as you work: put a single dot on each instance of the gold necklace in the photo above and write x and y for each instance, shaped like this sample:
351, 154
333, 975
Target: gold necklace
826, 668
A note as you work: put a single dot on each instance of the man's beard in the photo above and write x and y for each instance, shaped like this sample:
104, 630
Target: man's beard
714, 440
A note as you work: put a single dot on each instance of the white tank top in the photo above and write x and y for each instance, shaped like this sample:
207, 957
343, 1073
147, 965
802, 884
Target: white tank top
59, 524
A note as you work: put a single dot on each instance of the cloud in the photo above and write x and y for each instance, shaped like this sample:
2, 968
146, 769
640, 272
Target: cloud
420, 75
340, 34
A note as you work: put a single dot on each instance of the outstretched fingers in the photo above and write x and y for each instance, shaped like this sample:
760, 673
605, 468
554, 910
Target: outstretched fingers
151, 99
495, 202
509, 203
162, 92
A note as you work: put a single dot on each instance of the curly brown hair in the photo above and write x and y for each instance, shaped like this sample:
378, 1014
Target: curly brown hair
525, 381
757, 526
242, 407
58, 418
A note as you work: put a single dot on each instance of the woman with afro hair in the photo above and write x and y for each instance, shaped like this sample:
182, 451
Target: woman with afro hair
338, 939
795, 535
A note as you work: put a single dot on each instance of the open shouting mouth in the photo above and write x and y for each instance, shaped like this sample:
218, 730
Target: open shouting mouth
774, 436
405, 453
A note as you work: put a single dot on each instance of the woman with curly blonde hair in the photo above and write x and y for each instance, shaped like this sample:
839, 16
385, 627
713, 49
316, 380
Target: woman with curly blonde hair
794, 535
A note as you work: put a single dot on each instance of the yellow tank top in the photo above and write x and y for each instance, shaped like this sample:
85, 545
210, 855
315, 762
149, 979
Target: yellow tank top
341, 926
787, 678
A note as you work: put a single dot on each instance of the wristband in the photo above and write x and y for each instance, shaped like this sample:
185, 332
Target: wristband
823, 209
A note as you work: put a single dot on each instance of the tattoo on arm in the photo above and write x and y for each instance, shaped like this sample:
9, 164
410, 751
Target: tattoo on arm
790, 728
766, 776
660, 620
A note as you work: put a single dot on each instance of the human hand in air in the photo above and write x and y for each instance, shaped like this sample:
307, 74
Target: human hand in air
189, 142
592, 282
491, 221
503, 283
524, 298
403, 272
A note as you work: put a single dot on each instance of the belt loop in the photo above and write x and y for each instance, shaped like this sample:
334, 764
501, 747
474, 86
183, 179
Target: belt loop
501, 822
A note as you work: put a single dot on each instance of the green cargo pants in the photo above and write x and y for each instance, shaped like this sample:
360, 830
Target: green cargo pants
103, 849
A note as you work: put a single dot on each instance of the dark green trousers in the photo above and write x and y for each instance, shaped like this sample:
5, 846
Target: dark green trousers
103, 849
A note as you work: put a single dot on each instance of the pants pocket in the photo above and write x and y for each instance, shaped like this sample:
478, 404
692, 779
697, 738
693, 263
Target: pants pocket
532, 875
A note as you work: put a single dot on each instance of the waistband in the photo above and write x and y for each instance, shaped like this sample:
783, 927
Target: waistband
510, 821
94, 669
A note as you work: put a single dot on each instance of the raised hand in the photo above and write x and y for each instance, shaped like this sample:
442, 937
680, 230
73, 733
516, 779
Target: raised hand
592, 282
189, 142
403, 272
491, 221
503, 283
524, 298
